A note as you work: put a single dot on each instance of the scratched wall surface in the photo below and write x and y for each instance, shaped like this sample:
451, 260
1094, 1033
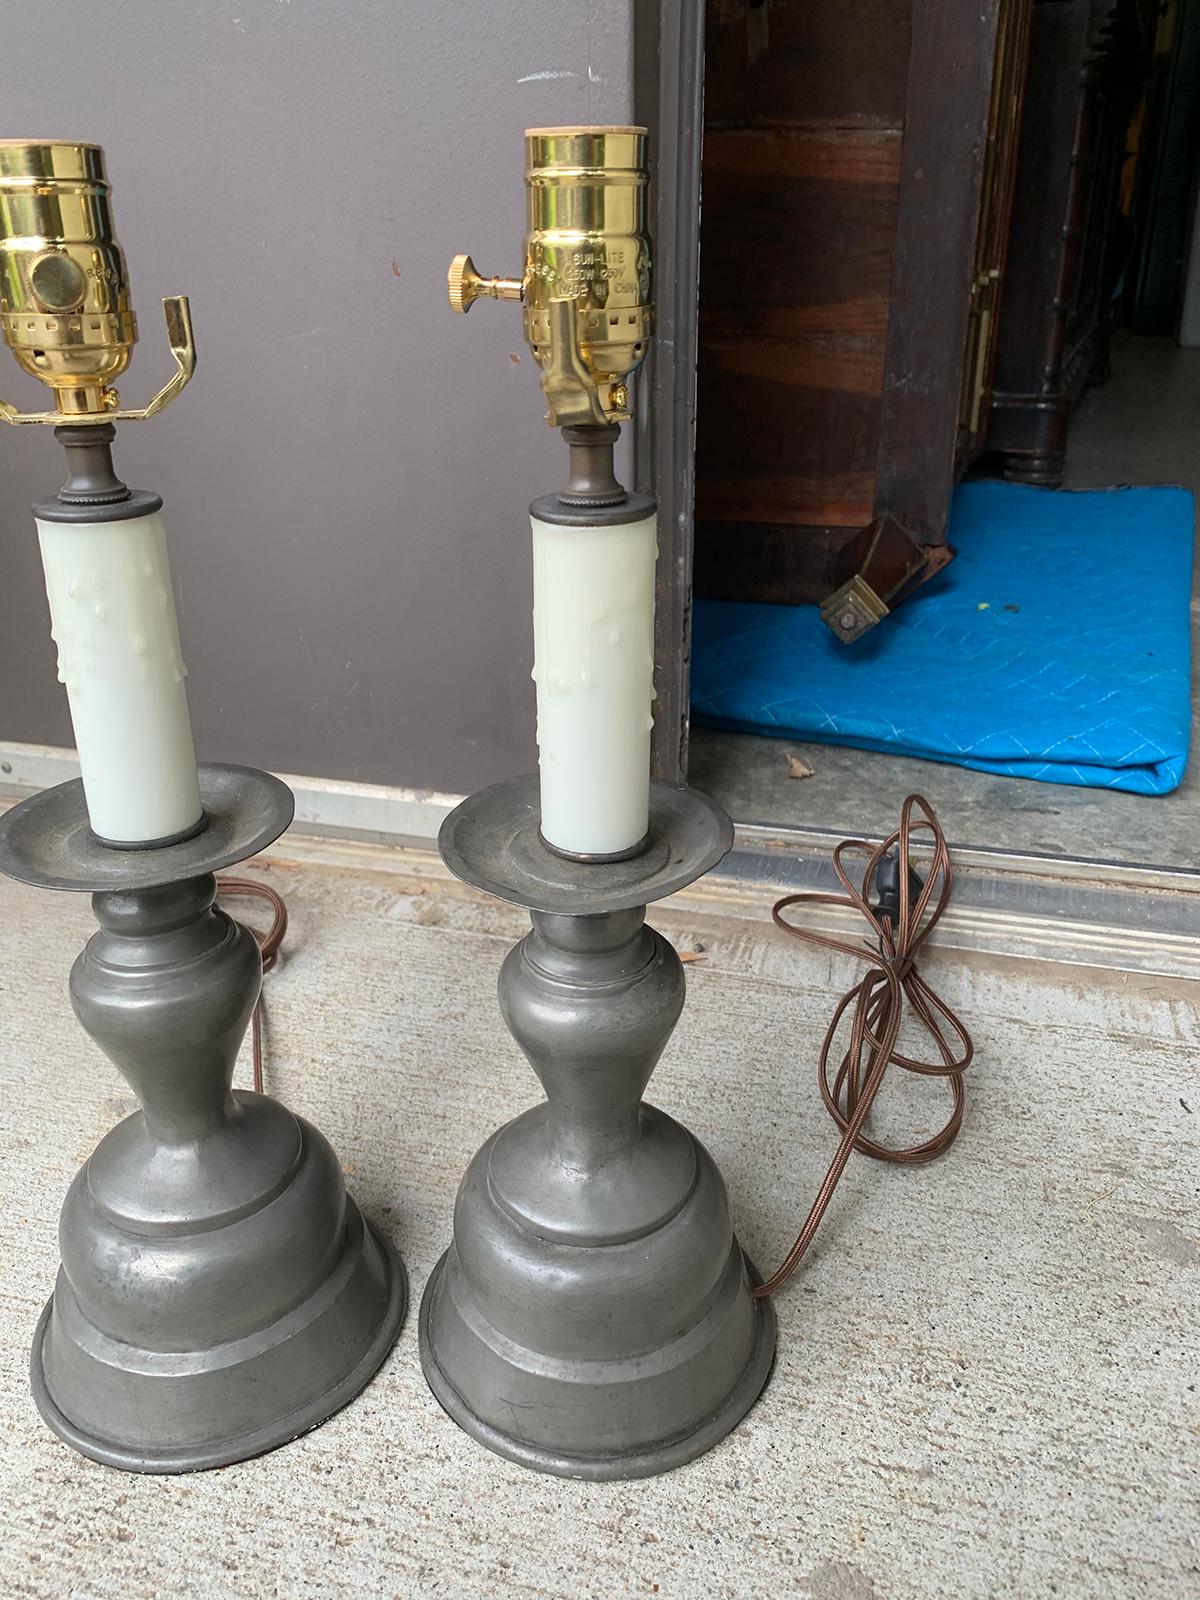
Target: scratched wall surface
347, 478
986, 1371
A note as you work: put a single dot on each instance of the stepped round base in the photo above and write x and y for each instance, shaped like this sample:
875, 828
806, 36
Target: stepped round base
243, 1306
636, 1462
593, 1316
220, 1293
598, 1360
330, 1349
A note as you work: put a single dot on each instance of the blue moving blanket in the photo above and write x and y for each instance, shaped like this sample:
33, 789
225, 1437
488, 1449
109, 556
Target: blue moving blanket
1056, 646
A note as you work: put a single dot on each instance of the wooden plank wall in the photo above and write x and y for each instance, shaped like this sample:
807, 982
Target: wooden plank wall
804, 117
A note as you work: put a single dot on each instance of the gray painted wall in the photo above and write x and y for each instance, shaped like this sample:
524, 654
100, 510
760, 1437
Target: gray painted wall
346, 480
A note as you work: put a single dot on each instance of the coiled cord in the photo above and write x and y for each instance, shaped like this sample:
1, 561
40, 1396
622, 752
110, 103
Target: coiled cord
906, 911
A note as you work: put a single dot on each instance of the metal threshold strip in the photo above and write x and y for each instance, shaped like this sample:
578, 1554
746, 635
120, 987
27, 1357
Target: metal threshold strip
1084, 913
1138, 918
1127, 917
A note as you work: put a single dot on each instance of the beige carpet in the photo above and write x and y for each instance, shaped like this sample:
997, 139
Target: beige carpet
987, 1367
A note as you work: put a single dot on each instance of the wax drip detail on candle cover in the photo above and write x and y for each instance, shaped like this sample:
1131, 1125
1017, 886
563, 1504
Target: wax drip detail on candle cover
109, 588
594, 553
108, 582
593, 618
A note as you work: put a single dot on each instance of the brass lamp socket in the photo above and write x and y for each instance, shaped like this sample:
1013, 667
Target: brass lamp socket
586, 284
64, 288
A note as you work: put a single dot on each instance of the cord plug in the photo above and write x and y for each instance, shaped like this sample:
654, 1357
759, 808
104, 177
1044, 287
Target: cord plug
887, 886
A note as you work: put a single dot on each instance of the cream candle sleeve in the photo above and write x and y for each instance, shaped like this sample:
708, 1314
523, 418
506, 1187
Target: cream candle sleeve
593, 626
113, 619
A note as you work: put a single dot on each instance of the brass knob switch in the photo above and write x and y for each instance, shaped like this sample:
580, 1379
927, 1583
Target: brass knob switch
588, 314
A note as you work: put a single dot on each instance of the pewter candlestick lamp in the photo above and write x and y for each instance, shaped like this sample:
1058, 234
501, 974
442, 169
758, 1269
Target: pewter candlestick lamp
593, 1315
219, 1292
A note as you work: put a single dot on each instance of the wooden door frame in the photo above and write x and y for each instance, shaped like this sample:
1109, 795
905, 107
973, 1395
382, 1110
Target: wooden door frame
669, 99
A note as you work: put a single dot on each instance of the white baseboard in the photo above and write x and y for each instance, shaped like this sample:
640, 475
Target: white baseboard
1090, 913
326, 806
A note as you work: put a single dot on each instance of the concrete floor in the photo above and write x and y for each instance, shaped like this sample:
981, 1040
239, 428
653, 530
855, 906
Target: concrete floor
987, 1367
1143, 426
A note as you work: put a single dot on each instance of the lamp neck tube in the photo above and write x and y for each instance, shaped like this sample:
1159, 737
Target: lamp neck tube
591, 477
91, 477
93, 492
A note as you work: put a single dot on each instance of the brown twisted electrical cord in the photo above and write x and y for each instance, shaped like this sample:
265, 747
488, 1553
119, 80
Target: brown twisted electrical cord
904, 916
268, 942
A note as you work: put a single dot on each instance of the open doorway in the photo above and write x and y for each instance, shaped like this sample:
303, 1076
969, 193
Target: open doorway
933, 257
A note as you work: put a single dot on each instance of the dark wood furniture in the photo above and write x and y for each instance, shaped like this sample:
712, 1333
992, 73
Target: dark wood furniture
856, 175
1088, 63
1168, 171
